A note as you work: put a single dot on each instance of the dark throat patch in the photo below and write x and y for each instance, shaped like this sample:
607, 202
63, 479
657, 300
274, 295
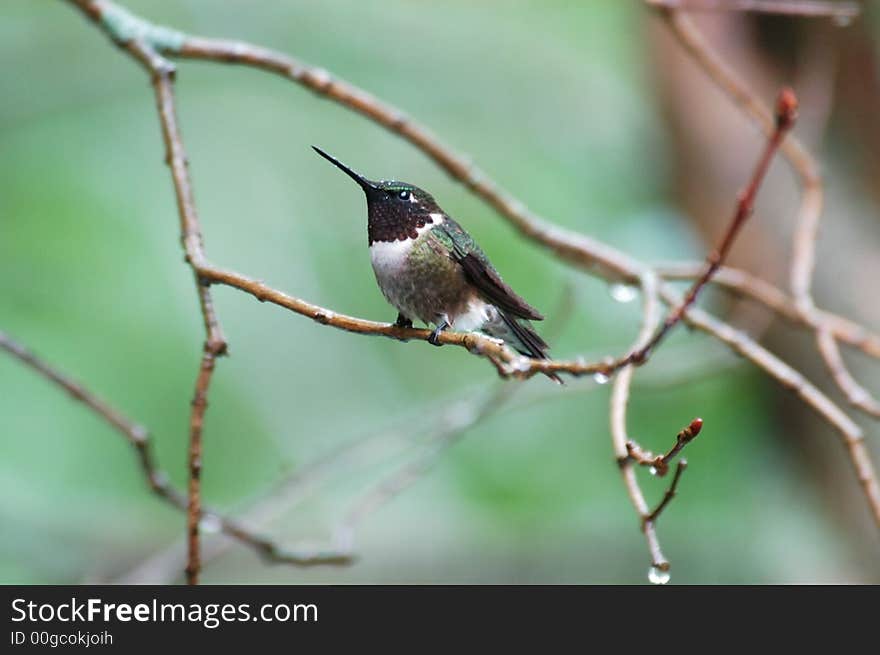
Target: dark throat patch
395, 221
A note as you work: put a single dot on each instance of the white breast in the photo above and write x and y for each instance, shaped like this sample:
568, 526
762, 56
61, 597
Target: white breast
388, 257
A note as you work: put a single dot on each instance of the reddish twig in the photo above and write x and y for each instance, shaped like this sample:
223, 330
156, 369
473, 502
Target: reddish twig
659, 464
194, 505
682, 439
786, 113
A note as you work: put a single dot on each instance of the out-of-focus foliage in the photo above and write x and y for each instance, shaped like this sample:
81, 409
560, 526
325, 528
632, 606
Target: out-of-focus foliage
555, 104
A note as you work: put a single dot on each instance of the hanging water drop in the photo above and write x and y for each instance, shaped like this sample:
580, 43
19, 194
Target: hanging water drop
622, 292
842, 20
657, 575
600, 378
653, 470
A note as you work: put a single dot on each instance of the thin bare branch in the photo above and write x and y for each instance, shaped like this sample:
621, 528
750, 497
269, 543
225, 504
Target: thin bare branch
773, 298
856, 394
619, 436
134, 433
670, 493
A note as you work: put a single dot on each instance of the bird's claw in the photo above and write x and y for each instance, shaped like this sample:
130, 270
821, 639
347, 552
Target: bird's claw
403, 322
434, 338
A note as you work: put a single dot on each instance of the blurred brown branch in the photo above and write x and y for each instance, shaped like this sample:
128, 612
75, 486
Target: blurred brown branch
151, 45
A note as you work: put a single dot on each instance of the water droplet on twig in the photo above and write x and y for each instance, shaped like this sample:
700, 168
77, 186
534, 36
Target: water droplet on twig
658, 576
521, 365
622, 292
600, 378
210, 524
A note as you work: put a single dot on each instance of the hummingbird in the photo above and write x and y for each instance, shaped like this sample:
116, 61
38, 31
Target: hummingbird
430, 269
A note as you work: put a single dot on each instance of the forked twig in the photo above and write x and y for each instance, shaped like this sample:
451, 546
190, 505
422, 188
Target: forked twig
659, 464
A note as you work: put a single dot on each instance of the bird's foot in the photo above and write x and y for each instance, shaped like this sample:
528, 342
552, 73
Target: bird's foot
433, 339
403, 322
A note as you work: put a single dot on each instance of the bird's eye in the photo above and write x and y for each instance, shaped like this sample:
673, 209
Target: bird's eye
403, 195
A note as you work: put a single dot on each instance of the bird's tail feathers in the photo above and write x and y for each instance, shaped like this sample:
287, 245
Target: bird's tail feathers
527, 341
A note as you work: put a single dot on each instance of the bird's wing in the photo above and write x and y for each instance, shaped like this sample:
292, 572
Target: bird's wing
480, 272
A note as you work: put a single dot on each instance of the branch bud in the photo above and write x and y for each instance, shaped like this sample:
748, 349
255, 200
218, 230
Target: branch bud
786, 109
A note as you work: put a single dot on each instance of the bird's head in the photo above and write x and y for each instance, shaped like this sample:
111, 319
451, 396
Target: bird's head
395, 209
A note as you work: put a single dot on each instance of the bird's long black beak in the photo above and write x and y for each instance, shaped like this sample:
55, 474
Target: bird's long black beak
364, 183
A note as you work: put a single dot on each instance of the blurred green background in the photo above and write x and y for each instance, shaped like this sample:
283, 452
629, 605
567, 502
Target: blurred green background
558, 106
